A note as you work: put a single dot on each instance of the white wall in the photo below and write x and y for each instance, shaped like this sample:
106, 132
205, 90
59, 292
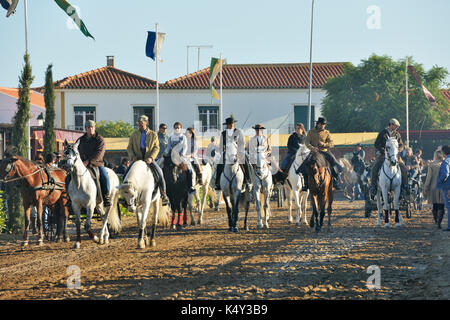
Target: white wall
272, 108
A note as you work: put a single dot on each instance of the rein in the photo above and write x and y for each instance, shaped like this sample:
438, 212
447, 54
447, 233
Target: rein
22, 177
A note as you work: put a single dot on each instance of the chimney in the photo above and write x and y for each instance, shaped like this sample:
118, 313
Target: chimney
110, 61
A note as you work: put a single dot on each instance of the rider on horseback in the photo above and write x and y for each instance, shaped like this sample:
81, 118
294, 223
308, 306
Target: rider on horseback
92, 149
229, 135
144, 145
380, 143
179, 140
192, 151
319, 139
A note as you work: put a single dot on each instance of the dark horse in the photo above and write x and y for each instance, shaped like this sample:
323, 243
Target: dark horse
320, 187
177, 191
40, 186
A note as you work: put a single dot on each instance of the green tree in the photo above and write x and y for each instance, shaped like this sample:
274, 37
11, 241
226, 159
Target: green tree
19, 139
366, 96
49, 97
118, 129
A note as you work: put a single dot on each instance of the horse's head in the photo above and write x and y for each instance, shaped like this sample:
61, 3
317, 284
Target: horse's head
261, 162
231, 156
301, 154
316, 167
391, 150
8, 167
129, 193
71, 153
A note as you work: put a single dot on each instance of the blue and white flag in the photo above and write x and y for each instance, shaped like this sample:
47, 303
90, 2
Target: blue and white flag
9, 5
150, 49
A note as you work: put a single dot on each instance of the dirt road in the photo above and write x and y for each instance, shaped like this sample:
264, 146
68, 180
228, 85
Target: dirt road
208, 262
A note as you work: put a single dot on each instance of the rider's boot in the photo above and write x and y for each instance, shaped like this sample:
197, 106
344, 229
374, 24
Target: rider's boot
305, 183
190, 182
106, 200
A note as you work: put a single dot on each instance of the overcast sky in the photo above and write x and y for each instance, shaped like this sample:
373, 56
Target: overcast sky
244, 31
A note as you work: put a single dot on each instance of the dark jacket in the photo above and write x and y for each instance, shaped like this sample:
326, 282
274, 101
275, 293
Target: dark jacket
380, 142
92, 150
294, 142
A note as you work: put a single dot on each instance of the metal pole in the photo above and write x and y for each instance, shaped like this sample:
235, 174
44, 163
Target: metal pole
221, 95
157, 82
407, 104
198, 59
187, 59
308, 125
26, 51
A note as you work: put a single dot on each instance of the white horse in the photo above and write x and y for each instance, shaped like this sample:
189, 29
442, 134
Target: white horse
141, 195
294, 185
262, 183
231, 184
389, 184
205, 185
82, 191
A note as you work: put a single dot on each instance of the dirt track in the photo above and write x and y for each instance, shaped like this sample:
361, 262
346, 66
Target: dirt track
207, 262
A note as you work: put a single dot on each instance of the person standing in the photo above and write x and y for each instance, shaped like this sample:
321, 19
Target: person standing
163, 139
123, 168
144, 145
434, 196
443, 181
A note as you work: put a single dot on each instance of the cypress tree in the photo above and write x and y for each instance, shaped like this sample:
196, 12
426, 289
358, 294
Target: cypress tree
19, 139
49, 97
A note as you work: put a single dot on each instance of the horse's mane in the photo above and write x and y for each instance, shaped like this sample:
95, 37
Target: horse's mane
318, 158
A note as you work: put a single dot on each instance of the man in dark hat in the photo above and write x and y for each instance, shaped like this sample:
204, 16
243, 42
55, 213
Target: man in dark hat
229, 135
319, 139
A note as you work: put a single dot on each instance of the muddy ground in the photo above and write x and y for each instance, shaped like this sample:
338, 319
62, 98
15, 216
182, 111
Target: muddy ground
207, 262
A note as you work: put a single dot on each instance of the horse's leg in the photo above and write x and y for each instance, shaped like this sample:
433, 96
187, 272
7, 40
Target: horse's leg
330, 206
290, 195
303, 204
139, 217
226, 198
257, 195
297, 205
266, 206
104, 233
65, 213
379, 208
174, 218
155, 219
398, 216
235, 216
385, 193
40, 223
87, 224
247, 207
191, 205
77, 210
143, 224
202, 204
27, 208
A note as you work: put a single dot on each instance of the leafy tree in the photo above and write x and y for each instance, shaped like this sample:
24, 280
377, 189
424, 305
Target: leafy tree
366, 96
19, 139
118, 129
49, 97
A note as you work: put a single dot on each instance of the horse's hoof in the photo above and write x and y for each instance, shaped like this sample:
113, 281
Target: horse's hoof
298, 223
179, 227
101, 241
153, 243
397, 225
246, 228
199, 222
25, 244
173, 227
193, 223
77, 245
67, 239
387, 226
40, 243
235, 230
96, 239
259, 227
141, 245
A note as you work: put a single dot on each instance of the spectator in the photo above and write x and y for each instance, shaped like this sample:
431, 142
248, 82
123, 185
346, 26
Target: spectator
434, 196
50, 160
443, 181
123, 166
163, 139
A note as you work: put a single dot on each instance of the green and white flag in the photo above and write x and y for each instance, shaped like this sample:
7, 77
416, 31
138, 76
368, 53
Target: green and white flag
216, 66
72, 13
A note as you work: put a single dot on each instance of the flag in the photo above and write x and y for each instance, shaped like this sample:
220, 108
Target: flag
72, 13
427, 93
214, 69
9, 5
150, 48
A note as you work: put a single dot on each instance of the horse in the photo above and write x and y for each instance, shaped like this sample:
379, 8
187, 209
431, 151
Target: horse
262, 178
321, 188
142, 195
82, 191
294, 185
217, 193
231, 184
349, 178
175, 174
205, 185
38, 189
389, 185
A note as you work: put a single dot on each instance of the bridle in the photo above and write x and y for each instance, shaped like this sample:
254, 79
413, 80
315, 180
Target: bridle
10, 168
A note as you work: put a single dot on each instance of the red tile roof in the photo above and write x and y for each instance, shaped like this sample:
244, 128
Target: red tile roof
261, 76
105, 78
36, 98
446, 94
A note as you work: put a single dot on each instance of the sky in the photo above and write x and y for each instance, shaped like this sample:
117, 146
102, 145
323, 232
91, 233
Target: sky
243, 31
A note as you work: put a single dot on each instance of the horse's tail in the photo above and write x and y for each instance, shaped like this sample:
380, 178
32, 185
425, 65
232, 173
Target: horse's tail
113, 215
163, 216
210, 192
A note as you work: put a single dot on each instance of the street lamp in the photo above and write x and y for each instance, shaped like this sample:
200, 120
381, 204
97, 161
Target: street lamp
40, 119
308, 126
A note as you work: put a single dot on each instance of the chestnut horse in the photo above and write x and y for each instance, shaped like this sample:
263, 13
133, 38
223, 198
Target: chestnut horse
321, 188
38, 189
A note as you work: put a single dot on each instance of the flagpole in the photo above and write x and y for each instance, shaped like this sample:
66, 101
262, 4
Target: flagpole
221, 95
407, 104
157, 81
26, 52
308, 125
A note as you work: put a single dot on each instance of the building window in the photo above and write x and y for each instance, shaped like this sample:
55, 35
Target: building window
83, 114
139, 111
209, 118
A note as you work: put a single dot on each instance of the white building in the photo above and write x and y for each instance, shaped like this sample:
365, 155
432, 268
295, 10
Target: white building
275, 95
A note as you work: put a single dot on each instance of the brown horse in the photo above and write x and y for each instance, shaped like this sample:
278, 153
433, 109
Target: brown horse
321, 188
38, 189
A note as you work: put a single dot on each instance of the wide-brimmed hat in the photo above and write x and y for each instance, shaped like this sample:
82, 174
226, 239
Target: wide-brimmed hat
321, 120
230, 120
258, 126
